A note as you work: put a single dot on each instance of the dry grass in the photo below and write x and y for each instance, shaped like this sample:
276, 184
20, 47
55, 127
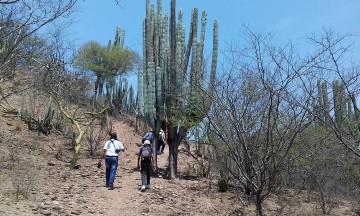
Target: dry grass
18, 124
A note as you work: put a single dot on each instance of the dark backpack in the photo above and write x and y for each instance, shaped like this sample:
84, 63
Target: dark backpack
146, 151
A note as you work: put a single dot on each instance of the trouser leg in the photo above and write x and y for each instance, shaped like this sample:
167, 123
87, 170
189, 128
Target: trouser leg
145, 173
158, 146
143, 178
112, 170
148, 173
107, 165
162, 147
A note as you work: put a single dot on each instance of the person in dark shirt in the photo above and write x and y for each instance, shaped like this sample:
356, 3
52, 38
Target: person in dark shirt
144, 162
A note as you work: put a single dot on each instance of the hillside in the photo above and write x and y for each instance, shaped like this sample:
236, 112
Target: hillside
35, 179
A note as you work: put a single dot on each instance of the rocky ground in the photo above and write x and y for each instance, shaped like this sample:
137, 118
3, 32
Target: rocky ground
34, 181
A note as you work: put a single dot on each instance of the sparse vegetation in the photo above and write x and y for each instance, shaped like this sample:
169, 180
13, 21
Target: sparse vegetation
281, 131
18, 124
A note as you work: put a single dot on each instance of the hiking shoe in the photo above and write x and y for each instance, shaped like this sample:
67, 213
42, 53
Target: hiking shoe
111, 187
143, 188
147, 186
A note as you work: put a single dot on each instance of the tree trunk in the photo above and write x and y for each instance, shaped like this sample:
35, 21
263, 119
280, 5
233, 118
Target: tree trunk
77, 147
172, 160
171, 101
156, 170
176, 135
259, 210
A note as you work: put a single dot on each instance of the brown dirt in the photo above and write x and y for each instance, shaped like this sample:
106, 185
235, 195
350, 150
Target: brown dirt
34, 182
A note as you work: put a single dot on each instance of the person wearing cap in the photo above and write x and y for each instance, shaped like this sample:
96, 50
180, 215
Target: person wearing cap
146, 158
112, 150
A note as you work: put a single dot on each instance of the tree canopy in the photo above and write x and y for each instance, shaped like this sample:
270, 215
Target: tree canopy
105, 62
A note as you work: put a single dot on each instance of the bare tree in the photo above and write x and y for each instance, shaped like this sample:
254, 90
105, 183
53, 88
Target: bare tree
259, 113
20, 20
340, 76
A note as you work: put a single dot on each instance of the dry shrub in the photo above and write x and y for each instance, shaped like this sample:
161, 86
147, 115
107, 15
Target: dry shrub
22, 179
196, 168
18, 124
190, 169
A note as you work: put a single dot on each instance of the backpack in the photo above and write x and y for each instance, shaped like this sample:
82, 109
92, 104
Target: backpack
161, 136
146, 151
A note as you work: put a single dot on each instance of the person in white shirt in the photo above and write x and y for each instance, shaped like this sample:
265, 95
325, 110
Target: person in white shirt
112, 150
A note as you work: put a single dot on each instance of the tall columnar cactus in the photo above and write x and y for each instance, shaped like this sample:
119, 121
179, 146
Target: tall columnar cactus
140, 105
172, 92
339, 102
115, 91
326, 102
349, 110
48, 114
319, 110
336, 100
131, 102
356, 109
124, 94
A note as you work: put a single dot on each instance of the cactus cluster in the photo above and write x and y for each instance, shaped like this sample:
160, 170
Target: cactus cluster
172, 81
183, 84
117, 91
42, 124
343, 105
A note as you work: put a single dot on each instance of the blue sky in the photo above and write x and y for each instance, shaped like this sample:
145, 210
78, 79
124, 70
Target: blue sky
286, 19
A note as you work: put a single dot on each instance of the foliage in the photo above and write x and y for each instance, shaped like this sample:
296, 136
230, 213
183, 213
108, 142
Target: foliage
106, 62
322, 166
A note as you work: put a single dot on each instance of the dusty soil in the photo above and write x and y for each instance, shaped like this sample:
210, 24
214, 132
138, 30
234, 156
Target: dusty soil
35, 179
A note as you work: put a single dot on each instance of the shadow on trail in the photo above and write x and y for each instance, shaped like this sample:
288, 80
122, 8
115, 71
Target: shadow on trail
189, 177
132, 170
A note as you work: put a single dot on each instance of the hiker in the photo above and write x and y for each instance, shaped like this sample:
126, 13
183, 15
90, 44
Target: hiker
112, 150
148, 136
161, 142
146, 157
